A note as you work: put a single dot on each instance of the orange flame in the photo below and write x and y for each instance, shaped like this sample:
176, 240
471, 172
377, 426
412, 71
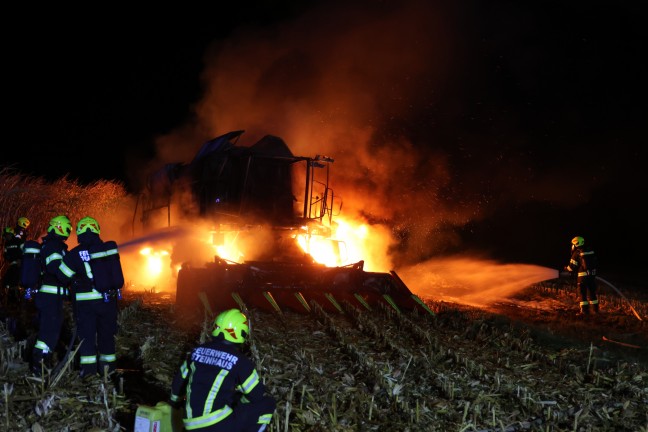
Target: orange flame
153, 270
351, 241
156, 266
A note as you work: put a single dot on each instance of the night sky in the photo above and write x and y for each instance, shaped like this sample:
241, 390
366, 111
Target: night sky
502, 127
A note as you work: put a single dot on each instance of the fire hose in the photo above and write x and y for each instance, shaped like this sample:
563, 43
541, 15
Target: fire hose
622, 296
615, 289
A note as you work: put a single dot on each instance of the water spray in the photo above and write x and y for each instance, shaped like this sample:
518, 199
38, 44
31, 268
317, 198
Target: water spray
170, 234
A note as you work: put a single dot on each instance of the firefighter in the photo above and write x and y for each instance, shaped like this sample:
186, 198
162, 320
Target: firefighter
50, 296
222, 386
583, 264
12, 254
22, 224
8, 233
96, 314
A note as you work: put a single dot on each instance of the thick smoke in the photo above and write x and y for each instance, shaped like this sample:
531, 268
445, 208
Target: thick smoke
341, 83
387, 90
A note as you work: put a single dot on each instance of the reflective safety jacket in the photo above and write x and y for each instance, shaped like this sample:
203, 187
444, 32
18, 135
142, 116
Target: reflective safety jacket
12, 250
53, 250
75, 268
214, 377
583, 262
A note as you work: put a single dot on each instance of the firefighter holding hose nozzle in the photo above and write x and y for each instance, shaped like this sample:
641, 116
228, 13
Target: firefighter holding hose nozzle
583, 264
93, 271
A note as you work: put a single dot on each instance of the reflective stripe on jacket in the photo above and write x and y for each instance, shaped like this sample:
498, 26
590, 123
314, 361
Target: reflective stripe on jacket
52, 289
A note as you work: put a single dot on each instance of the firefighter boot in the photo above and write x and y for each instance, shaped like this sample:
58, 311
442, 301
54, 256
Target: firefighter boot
584, 309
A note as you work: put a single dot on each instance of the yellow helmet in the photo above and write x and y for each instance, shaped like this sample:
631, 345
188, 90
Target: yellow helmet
23, 222
88, 223
9, 230
61, 225
578, 241
233, 324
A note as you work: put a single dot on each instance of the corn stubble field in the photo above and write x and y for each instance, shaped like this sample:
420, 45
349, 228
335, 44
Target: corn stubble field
463, 369
515, 367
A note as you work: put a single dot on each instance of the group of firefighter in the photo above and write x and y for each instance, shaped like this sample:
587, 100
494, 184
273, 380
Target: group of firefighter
217, 386
41, 277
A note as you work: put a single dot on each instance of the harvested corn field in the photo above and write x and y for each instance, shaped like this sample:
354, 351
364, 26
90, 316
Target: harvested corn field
512, 368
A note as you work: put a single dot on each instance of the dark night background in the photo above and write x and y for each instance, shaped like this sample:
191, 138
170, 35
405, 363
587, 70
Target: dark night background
528, 120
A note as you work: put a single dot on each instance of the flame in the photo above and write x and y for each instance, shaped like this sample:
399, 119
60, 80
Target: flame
154, 260
324, 250
156, 265
226, 245
155, 268
351, 241
229, 252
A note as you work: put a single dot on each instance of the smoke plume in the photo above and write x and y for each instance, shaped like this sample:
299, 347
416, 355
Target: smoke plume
384, 88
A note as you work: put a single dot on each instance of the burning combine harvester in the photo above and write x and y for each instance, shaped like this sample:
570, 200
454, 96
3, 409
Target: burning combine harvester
272, 231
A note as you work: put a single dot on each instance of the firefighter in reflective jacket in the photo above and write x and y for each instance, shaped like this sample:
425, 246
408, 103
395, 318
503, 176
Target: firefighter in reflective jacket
96, 314
51, 294
222, 386
12, 255
13, 251
583, 264
22, 225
